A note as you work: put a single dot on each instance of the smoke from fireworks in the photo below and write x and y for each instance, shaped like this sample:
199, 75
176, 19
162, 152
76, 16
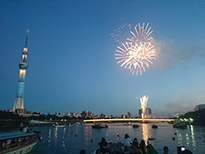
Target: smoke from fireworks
143, 101
137, 51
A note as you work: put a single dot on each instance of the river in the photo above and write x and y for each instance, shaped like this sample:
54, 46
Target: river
72, 139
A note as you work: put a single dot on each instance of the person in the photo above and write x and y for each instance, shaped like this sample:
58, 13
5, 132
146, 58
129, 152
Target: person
82, 152
25, 129
135, 147
142, 146
127, 143
135, 140
166, 150
103, 145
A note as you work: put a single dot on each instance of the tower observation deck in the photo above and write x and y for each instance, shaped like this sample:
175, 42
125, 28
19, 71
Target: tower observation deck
19, 101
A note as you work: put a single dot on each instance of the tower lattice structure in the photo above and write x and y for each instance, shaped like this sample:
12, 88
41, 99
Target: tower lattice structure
19, 101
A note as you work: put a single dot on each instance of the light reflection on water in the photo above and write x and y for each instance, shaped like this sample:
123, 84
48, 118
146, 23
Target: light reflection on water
72, 139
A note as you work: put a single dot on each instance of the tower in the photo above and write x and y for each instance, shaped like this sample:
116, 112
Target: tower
19, 101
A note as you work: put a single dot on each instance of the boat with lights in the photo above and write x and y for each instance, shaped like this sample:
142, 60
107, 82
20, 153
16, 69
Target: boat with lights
18, 142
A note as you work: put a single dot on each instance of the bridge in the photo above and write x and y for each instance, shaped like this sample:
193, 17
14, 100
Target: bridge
128, 120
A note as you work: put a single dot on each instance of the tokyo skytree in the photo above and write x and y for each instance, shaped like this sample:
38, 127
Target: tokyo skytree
19, 101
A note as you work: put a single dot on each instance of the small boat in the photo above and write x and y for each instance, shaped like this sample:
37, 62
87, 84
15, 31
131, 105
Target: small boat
18, 141
58, 125
181, 125
99, 126
154, 126
135, 126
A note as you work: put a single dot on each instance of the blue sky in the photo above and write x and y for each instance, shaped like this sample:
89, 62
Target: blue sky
72, 66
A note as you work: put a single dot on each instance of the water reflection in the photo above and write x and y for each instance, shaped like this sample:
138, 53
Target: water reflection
145, 132
56, 132
87, 133
192, 136
63, 140
49, 137
186, 137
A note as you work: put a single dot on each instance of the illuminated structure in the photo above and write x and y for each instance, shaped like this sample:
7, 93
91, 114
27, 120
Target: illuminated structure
19, 101
147, 113
143, 101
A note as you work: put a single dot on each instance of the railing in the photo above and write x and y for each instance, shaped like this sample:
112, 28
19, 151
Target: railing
127, 120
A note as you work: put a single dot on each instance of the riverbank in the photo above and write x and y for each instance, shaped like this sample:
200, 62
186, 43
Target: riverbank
15, 123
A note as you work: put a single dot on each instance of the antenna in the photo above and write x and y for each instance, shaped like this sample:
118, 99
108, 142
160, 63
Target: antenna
26, 38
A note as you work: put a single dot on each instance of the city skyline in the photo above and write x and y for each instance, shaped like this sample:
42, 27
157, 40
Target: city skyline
72, 65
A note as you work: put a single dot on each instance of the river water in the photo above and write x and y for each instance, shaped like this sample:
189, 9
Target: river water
72, 139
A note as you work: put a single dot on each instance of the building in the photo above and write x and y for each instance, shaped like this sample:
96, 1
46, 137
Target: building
87, 114
148, 113
199, 107
19, 101
128, 114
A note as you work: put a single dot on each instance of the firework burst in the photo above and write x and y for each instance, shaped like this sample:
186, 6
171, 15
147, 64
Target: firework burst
121, 34
143, 101
135, 57
137, 51
141, 34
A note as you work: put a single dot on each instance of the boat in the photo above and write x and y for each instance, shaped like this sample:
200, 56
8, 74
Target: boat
99, 126
18, 142
154, 126
181, 125
58, 125
135, 126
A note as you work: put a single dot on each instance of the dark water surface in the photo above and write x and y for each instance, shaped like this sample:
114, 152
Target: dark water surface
72, 139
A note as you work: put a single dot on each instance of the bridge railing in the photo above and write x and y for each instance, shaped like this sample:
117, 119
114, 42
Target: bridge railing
128, 120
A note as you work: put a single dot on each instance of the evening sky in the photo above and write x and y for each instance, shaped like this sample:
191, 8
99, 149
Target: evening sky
71, 55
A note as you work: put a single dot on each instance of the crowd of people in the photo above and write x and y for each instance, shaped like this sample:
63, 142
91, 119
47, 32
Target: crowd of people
130, 147
133, 147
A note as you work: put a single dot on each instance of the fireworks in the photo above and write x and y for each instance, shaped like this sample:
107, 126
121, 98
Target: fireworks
137, 51
135, 57
121, 34
141, 34
143, 101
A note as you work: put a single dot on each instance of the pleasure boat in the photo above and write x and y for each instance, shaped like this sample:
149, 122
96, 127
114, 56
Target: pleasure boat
18, 142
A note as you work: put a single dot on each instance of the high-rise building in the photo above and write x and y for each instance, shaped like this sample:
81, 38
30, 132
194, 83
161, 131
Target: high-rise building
128, 114
147, 113
19, 101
